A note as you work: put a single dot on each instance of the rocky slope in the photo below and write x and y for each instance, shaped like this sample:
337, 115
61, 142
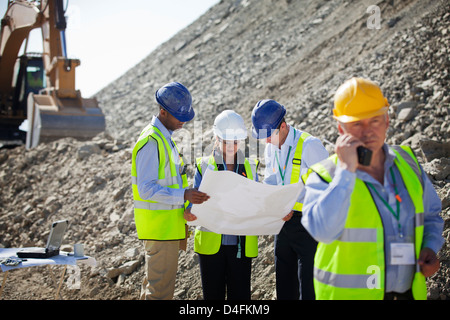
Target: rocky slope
297, 52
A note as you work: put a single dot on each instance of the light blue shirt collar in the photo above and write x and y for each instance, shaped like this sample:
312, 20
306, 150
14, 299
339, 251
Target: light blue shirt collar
157, 123
287, 143
290, 137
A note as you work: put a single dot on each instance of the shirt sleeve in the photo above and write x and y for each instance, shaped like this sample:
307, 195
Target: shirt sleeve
313, 152
147, 163
326, 205
197, 181
270, 177
433, 222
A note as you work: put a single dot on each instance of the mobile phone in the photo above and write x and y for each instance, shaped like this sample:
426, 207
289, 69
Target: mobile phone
364, 155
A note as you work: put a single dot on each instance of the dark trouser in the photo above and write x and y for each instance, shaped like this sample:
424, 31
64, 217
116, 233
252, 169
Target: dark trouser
224, 273
294, 261
399, 296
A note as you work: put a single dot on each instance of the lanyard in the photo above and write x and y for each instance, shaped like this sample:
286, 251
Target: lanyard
397, 200
283, 172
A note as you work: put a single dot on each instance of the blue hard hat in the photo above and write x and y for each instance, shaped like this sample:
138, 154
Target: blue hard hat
177, 100
266, 116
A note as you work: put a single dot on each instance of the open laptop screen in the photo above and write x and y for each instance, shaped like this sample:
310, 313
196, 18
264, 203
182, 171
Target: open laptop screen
56, 235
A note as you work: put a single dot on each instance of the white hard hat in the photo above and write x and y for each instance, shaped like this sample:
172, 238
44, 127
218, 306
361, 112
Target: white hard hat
229, 125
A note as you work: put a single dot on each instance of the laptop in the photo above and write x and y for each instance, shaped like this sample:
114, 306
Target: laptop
54, 241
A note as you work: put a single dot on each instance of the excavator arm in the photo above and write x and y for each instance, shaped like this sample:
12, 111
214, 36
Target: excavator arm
57, 110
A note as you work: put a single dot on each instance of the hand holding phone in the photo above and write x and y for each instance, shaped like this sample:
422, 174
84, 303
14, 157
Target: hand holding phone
351, 153
364, 155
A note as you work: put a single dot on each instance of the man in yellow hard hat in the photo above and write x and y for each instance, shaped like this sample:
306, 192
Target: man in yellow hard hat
371, 207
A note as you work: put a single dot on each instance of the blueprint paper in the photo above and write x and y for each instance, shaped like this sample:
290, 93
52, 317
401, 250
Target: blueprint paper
240, 206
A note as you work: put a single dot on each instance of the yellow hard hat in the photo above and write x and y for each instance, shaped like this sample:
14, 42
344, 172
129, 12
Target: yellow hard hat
358, 99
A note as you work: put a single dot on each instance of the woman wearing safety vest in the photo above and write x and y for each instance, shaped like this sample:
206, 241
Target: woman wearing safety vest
371, 207
225, 260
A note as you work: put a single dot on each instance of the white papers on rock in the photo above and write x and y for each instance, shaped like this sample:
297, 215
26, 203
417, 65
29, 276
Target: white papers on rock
240, 206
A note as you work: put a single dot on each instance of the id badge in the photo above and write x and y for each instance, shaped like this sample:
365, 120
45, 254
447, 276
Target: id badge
402, 253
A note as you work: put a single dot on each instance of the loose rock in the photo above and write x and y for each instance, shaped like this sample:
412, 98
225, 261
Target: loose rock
239, 52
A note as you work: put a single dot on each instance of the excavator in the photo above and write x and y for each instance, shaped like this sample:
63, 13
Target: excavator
38, 99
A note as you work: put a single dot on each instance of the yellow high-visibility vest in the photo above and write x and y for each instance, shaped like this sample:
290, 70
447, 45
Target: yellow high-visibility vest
296, 163
353, 266
154, 220
207, 242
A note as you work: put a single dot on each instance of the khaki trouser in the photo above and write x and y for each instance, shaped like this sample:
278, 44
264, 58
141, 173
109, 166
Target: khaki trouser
161, 264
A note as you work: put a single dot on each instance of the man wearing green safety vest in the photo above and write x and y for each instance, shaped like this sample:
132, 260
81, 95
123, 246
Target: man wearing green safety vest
160, 190
371, 207
288, 155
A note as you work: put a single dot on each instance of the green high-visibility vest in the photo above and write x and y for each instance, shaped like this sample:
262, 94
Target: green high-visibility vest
207, 242
155, 220
353, 266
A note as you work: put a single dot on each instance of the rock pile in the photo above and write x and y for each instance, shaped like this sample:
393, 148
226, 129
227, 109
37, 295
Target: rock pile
297, 52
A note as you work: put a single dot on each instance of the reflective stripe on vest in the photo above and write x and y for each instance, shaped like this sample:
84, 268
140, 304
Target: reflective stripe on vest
353, 266
207, 242
154, 220
296, 164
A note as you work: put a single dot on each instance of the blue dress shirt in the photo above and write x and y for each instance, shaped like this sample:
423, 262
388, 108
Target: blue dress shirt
313, 152
147, 164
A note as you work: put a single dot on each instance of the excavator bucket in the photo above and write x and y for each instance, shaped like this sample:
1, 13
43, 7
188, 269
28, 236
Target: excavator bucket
51, 118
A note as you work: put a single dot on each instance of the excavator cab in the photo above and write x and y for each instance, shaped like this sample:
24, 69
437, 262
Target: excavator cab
33, 71
30, 79
39, 96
